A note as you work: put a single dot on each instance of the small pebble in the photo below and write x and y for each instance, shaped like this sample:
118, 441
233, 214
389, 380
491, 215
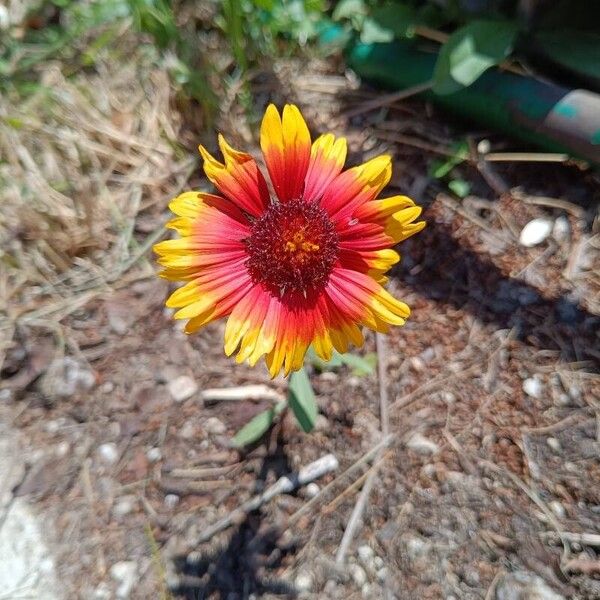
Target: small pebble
214, 426
171, 501
561, 229
154, 454
382, 574
63, 448
365, 554
358, 575
182, 388
304, 582
312, 489
535, 232
378, 562
532, 387
124, 573
123, 507
108, 453
554, 444
557, 508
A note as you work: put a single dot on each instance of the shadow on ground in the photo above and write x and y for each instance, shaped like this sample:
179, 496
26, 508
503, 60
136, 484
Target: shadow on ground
464, 279
243, 566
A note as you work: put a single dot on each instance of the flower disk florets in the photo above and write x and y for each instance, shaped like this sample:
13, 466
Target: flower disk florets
292, 247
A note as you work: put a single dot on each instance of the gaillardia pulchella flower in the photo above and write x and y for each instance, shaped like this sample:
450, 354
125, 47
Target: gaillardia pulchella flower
302, 266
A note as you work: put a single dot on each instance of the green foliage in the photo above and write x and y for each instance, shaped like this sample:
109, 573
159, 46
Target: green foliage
470, 51
257, 427
85, 29
440, 168
359, 365
301, 399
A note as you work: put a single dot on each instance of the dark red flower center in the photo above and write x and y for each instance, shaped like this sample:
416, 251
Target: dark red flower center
292, 247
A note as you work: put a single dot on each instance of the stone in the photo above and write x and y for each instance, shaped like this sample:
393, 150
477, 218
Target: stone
535, 232
365, 554
561, 229
523, 585
553, 444
533, 387
171, 501
66, 377
416, 547
214, 426
124, 506
181, 388
154, 454
557, 508
312, 489
358, 575
304, 582
421, 445
125, 574
108, 453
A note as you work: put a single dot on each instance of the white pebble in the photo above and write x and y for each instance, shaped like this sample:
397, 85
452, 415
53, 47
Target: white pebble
214, 426
358, 575
365, 554
557, 508
108, 453
532, 387
304, 582
561, 229
171, 500
124, 573
535, 232
181, 388
554, 444
421, 445
154, 454
123, 507
312, 489
382, 574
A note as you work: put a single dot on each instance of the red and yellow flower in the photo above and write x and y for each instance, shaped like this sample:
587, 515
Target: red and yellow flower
302, 266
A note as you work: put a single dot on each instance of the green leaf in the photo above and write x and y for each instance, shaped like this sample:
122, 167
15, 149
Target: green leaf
397, 17
470, 51
348, 9
360, 365
324, 365
373, 33
301, 400
440, 168
460, 187
257, 426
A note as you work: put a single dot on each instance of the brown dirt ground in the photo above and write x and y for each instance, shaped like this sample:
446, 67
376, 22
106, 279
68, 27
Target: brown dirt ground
509, 470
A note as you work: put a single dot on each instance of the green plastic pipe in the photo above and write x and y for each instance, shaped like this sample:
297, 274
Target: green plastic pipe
552, 117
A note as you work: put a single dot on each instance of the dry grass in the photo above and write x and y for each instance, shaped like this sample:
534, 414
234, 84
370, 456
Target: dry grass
86, 166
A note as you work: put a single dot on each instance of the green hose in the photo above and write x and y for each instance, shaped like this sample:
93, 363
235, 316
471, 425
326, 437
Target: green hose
554, 118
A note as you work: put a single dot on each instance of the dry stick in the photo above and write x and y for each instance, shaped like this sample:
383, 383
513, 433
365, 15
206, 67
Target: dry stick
365, 458
388, 99
361, 503
283, 485
525, 157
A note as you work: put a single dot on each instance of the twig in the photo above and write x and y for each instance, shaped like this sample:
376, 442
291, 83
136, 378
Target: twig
525, 157
388, 99
365, 458
585, 539
284, 485
243, 392
363, 498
